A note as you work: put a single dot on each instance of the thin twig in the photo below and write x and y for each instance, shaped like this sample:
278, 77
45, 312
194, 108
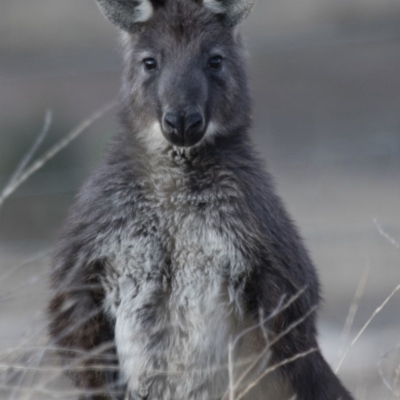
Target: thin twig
31, 152
33, 372
59, 394
274, 368
41, 388
275, 340
278, 309
94, 367
23, 176
380, 370
396, 381
386, 235
230, 370
29, 261
378, 310
353, 308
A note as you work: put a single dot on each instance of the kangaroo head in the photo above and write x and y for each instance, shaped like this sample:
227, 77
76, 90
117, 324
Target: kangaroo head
185, 76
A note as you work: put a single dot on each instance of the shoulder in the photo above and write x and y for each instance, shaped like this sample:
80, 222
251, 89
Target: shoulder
106, 201
279, 231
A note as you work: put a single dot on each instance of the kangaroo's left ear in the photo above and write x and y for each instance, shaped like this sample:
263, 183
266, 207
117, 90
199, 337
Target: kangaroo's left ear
234, 11
126, 14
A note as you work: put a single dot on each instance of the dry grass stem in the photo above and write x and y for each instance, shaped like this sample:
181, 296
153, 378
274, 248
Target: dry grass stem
24, 173
377, 311
94, 367
261, 325
278, 309
12, 271
393, 387
230, 370
59, 394
272, 342
32, 151
353, 309
386, 235
274, 368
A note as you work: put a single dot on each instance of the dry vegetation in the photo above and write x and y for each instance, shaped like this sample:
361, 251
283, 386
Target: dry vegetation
29, 368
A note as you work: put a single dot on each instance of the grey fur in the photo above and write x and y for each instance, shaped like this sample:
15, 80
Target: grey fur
129, 15
126, 14
234, 11
171, 252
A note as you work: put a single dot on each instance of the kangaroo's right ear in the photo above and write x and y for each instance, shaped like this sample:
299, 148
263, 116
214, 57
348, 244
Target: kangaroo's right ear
127, 14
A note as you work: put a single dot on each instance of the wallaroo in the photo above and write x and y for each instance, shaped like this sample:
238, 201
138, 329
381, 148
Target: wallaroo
179, 275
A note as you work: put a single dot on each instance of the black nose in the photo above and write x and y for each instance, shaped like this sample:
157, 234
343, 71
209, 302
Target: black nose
183, 128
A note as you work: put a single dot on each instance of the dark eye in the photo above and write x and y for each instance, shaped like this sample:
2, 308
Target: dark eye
215, 62
150, 64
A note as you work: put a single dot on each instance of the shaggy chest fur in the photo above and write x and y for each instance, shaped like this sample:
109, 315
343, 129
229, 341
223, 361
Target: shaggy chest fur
176, 285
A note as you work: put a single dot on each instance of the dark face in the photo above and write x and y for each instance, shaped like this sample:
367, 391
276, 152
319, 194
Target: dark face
185, 77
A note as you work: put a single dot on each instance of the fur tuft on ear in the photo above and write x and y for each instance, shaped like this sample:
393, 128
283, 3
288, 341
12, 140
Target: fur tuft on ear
126, 14
234, 11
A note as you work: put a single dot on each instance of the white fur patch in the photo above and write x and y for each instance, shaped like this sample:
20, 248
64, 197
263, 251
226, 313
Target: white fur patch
212, 129
154, 138
144, 11
236, 11
156, 142
215, 6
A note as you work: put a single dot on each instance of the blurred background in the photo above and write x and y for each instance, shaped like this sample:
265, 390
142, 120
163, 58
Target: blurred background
326, 85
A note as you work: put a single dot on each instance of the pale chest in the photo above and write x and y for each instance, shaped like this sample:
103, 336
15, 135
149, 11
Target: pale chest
175, 289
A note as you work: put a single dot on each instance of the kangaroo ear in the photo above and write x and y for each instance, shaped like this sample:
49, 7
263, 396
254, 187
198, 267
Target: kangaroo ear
126, 14
234, 11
